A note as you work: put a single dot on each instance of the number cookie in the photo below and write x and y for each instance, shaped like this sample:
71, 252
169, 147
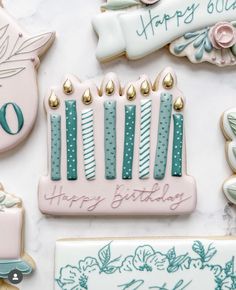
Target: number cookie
117, 151
19, 60
203, 30
14, 262
141, 264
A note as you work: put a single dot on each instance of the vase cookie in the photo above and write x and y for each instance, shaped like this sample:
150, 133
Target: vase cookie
141, 264
117, 151
19, 60
229, 130
14, 262
202, 31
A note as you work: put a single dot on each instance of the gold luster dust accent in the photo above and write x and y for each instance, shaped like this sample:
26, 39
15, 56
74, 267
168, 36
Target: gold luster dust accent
131, 93
145, 88
110, 88
53, 101
179, 104
87, 97
68, 87
168, 81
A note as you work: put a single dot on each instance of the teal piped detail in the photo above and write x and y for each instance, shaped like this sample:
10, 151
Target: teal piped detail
88, 144
110, 139
6, 266
55, 147
163, 136
19, 115
71, 139
130, 118
144, 147
177, 152
199, 40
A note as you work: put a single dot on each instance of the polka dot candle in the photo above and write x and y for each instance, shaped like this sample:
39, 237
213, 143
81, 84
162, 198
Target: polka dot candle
177, 145
163, 136
130, 118
71, 139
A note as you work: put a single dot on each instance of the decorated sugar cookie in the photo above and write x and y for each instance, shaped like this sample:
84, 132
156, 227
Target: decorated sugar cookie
117, 151
14, 262
229, 130
142, 264
19, 60
203, 30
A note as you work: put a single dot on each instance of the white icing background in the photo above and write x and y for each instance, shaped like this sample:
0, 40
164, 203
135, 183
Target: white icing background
209, 91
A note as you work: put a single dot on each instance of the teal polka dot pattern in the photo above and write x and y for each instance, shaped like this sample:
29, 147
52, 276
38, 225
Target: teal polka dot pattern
177, 145
110, 139
55, 147
71, 139
130, 119
163, 136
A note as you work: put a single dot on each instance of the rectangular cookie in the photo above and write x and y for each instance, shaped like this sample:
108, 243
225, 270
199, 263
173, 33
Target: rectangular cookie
146, 263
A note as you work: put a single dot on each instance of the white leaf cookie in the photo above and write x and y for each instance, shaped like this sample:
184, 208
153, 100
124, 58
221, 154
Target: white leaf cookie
229, 130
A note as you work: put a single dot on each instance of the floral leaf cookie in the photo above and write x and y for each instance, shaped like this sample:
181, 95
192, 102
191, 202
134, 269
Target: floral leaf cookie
19, 60
117, 151
202, 31
142, 264
14, 262
229, 130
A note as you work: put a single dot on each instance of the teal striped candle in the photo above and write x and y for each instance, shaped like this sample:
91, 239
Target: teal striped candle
163, 136
177, 152
71, 139
144, 147
110, 139
88, 144
55, 147
130, 118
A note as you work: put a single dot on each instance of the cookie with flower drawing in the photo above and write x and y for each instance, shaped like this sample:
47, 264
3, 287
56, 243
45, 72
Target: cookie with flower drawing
202, 31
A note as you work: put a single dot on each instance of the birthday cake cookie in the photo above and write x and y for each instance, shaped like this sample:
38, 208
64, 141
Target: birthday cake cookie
19, 60
117, 151
203, 30
14, 262
229, 130
141, 264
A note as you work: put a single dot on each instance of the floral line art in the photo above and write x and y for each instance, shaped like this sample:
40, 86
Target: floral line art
146, 259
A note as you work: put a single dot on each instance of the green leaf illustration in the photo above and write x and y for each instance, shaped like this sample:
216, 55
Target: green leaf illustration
105, 254
232, 121
210, 253
229, 267
199, 249
171, 254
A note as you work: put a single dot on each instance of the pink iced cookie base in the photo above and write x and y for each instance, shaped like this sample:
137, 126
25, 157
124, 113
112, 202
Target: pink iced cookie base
11, 225
18, 77
171, 196
118, 198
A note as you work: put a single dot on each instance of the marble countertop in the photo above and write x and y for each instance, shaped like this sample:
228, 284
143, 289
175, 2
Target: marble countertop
209, 91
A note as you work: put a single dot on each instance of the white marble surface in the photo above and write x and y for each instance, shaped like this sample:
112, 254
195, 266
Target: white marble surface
209, 91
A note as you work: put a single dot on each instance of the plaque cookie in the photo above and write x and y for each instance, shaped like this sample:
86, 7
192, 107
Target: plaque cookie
117, 151
202, 30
